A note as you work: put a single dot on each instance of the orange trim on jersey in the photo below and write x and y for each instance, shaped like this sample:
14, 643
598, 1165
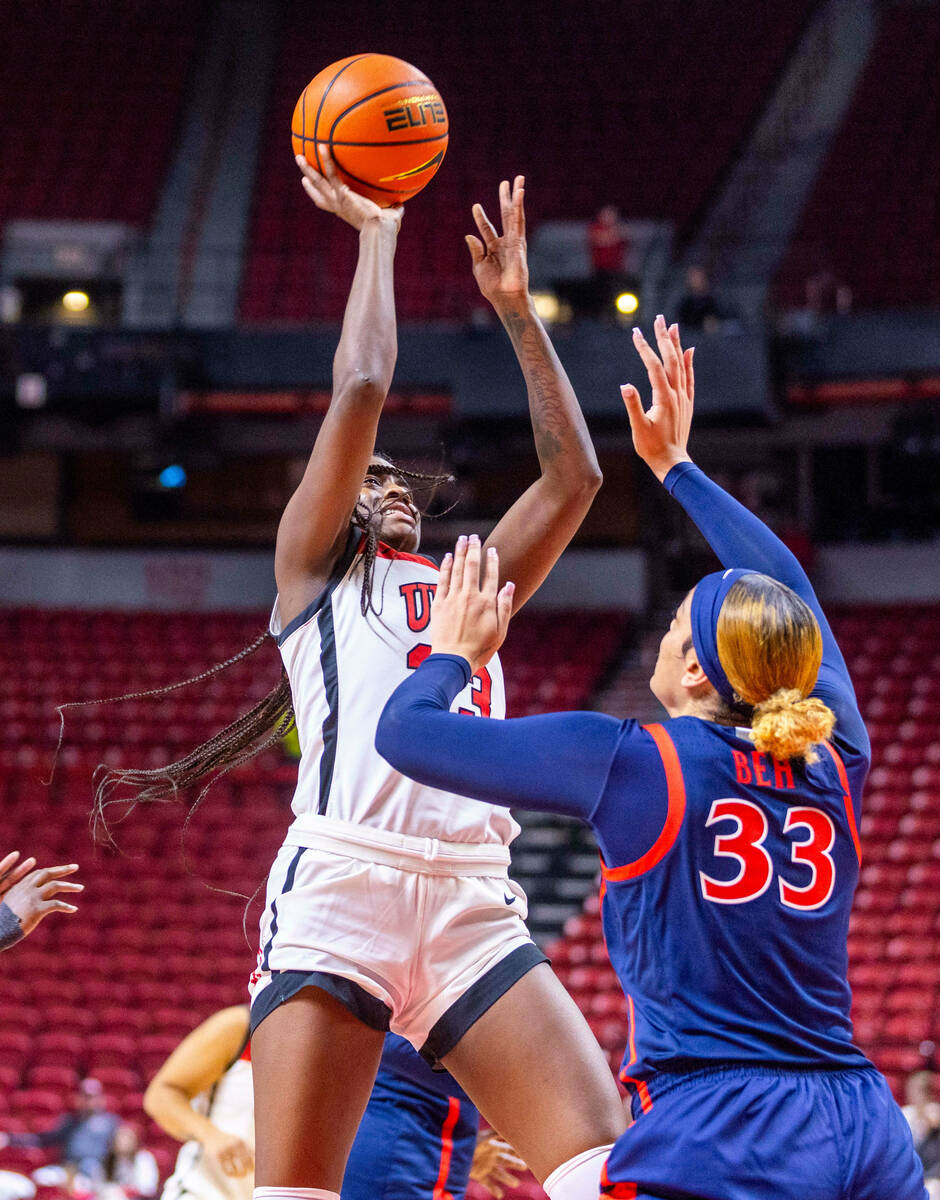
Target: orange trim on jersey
646, 1100
675, 812
847, 796
631, 1031
619, 1190
383, 551
447, 1149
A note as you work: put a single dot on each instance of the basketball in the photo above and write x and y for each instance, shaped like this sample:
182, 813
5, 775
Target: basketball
384, 121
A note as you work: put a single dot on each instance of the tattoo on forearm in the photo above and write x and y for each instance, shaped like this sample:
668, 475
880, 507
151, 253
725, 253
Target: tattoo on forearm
558, 426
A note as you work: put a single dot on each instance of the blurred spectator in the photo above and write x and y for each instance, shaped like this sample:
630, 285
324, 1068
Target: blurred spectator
827, 294
923, 1115
28, 895
697, 307
84, 1135
609, 241
130, 1172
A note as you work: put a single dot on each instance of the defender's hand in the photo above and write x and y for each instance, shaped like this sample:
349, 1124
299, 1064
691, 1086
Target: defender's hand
495, 1166
500, 265
328, 192
470, 616
661, 434
34, 896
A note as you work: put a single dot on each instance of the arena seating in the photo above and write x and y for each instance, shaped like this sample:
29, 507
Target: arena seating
159, 941
584, 135
895, 931
871, 219
113, 989
88, 123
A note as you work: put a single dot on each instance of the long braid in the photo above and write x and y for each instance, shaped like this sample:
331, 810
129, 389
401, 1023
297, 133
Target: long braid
248, 735
245, 737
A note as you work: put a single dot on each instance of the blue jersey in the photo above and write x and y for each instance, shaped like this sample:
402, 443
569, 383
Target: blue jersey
729, 876
728, 880
729, 933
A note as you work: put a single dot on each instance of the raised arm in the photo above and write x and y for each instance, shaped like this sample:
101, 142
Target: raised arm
315, 523
738, 538
534, 532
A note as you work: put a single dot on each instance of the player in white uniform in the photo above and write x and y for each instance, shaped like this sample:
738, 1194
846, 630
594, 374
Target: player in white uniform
389, 904
202, 1095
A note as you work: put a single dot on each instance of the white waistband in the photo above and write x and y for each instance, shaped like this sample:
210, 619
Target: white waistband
428, 856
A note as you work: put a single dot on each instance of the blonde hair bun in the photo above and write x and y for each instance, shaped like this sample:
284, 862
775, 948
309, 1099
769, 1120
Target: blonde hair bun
787, 725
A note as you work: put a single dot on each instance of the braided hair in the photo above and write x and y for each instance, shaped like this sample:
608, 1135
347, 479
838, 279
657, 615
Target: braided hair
254, 731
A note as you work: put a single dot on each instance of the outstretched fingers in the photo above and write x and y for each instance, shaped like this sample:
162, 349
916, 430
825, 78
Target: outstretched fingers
485, 226
444, 576
7, 863
518, 205
634, 406
475, 246
667, 351
505, 206
690, 374
11, 871
471, 569
654, 368
490, 585
329, 166
314, 184
460, 560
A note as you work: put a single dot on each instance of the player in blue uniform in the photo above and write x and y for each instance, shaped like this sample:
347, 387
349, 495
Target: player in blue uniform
418, 1136
729, 845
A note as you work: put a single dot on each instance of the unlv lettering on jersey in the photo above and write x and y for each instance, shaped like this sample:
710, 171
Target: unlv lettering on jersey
418, 597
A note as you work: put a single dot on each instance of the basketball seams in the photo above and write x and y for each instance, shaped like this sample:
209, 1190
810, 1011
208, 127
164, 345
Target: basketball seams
374, 187
438, 137
326, 92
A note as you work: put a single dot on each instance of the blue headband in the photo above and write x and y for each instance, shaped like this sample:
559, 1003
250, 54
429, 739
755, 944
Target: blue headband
707, 599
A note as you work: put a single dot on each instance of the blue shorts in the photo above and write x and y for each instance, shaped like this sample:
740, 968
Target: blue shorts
753, 1133
411, 1144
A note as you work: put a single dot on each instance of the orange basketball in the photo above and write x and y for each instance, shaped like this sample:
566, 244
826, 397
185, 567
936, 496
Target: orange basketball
384, 121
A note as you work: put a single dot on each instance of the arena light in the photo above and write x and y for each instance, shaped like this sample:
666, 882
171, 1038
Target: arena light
547, 306
172, 477
75, 301
627, 303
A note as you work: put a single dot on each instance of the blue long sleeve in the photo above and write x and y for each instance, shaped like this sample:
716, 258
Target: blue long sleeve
740, 539
556, 762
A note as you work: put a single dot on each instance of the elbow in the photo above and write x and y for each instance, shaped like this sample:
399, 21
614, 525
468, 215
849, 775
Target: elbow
386, 741
150, 1103
593, 479
361, 386
581, 486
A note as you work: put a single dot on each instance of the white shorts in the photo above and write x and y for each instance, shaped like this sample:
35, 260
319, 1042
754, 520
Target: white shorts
410, 934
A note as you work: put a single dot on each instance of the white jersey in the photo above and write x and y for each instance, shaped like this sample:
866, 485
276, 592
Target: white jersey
343, 667
230, 1105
